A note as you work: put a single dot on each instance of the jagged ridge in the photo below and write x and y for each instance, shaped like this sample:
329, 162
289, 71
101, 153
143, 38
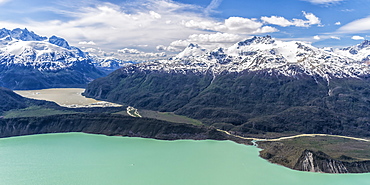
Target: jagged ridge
29, 61
270, 55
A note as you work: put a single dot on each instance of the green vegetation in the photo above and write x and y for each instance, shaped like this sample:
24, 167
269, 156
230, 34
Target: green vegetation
247, 103
169, 116
28, 77
121, 113
34, 111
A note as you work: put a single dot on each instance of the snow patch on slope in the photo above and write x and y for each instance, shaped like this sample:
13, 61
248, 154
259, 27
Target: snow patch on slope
265, 54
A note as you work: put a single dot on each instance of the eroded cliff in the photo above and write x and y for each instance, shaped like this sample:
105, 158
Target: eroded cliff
109, 124
302, 159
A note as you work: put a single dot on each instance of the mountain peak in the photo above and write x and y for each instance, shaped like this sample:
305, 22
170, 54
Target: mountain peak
193, 50
364, 44
268, 55
59, 42
257, 40
191, 45
21, 34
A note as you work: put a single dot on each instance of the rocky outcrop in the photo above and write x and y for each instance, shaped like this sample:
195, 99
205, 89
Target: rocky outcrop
312, 161
111, 125
320, 162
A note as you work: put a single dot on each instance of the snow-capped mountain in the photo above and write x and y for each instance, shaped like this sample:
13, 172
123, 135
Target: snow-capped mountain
360, 52
24, 48
110, 64
269, 55
256, 86
191, 51
7, 36
24, 52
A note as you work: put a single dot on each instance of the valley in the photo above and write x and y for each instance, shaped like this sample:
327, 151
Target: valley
278, 150
253, 90
185, 92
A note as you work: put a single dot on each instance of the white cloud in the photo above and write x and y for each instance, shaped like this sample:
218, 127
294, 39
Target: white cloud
312, 19
129, 51
357, 26
281, 21
323, 1
134, 54
356, 37
316, 37
112, 27
335, 37
213, 5
180, 43
209, 41
214, 38
348, 10
90, 50
161, 48
155, 15
150, 26
87, 43
3, 1
338, 23
242, 25
236, 25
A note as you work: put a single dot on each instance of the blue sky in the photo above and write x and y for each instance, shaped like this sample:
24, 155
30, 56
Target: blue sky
149, 28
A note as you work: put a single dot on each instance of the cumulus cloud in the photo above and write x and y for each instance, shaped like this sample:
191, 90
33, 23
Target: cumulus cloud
208, 41
135, 54
111, 26
87, 43
128, 51
323, 1
280, 21
338, 23
180, 43
238, 25
150, 26
214, 38
356, 37
161, 48
316, 37
90, 50
311, 19
155, 15
357, 26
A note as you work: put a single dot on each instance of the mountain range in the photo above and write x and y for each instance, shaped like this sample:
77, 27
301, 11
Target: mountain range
260, 87
30, 61
256, 86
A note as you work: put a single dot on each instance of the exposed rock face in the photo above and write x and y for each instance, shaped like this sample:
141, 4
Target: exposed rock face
308, 160
319, 162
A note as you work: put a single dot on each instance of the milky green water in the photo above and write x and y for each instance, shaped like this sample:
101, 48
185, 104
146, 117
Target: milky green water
80, 159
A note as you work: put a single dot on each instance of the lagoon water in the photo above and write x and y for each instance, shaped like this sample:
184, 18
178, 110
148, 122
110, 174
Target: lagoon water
77, 158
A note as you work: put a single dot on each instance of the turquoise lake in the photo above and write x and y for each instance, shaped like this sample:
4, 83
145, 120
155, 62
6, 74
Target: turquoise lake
77, 158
